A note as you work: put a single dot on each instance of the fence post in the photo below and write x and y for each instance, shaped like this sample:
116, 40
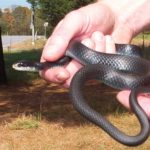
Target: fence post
3, 78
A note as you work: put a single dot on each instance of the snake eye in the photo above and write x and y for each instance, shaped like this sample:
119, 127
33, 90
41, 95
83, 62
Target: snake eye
22, 64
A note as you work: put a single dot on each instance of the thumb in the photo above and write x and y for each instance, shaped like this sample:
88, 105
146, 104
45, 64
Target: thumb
65, 31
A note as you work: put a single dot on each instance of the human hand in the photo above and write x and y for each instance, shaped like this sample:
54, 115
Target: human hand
79, 24
82, 25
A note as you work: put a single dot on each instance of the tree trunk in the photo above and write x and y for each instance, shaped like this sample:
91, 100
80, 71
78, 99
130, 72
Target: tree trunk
3, 78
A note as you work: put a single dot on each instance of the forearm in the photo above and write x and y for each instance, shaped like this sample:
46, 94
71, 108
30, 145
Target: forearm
133, 13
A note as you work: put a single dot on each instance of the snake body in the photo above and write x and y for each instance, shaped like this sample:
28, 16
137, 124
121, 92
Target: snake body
120, 71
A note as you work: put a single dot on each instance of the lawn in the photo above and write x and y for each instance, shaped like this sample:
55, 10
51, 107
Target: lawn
36, 115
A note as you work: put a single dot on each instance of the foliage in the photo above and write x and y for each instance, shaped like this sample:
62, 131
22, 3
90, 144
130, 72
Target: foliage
1, 13
53, 11
22, 20
6, 21
33, 3
18, 20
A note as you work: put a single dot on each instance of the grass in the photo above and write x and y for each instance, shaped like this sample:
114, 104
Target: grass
16, 76
23, 122
22, 51
140, 36
36, 115
138, 40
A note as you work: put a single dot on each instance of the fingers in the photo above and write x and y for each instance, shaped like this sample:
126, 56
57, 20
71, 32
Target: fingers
64, 75
103, 43
74, 66
97, 42
143, 100
76, 25
110, 45
57, 44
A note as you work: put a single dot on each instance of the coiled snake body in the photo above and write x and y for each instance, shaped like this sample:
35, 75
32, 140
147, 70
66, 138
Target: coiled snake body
120, 71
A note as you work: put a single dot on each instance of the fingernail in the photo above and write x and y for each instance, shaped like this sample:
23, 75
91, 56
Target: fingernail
99, 36
108, 38
51, 53
50, 50
88, 42
55, 48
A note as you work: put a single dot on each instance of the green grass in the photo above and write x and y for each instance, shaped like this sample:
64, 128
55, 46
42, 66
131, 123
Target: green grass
145, 34
24, 122
16, 76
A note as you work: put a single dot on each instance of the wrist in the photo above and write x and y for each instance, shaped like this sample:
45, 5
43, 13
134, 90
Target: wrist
135, 17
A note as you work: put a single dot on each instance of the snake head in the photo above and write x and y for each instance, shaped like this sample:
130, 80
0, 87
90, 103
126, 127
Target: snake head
25, 65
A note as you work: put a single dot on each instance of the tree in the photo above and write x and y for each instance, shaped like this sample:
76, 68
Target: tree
1, 13
8, 20
21, 23
53, 11
2, 23
39, 23
80, 3
3, 78
33, 3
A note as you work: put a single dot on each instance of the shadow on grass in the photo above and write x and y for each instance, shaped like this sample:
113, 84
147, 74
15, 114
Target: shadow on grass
49, 101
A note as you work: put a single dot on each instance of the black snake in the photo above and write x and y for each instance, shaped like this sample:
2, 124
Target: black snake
120, 71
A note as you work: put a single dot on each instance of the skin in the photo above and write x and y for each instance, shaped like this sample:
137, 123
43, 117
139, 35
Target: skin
98, 26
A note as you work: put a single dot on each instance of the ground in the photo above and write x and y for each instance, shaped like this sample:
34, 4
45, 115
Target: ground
37, 115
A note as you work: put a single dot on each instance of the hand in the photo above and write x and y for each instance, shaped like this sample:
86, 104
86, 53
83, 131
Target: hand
105, 17
79, 24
